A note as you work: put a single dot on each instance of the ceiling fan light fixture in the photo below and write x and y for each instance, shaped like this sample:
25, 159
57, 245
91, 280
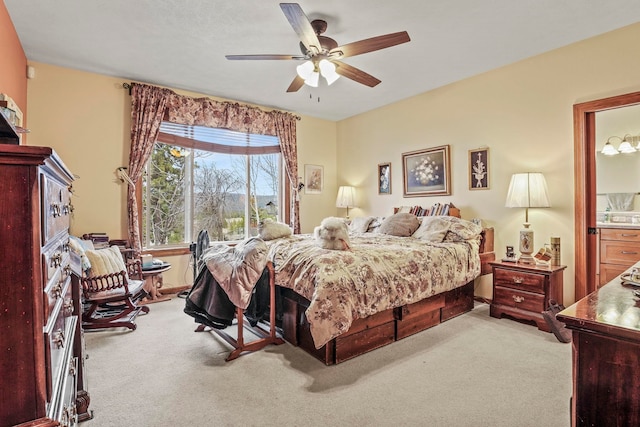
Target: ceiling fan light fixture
305, 69
328, 70
312, 80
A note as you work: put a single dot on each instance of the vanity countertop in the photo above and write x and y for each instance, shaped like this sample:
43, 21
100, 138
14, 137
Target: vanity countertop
618, 225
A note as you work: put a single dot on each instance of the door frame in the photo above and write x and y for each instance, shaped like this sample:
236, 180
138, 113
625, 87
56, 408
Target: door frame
584, 126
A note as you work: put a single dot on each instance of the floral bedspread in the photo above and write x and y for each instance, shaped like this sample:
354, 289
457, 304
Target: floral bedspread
378, 273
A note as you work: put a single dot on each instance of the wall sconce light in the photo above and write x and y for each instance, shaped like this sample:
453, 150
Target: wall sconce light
625, 146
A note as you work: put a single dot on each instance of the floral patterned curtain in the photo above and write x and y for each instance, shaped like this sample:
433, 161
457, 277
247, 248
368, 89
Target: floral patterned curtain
151, 105
148, 105
286, 131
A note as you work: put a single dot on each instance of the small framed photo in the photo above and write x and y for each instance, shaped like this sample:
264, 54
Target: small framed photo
384, 178
427, 172
313, 179
479, 169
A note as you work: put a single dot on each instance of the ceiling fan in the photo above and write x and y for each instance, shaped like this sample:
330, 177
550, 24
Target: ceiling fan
322, 54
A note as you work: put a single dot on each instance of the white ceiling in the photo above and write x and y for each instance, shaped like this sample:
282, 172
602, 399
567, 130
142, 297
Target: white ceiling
183, 43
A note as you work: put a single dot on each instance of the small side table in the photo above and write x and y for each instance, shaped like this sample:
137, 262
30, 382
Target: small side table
523, 291
153, 282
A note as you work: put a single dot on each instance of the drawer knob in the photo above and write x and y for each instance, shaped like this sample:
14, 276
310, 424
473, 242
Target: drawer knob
518, 279
68, 307
58, 338
57, 289
629, 252
518, 298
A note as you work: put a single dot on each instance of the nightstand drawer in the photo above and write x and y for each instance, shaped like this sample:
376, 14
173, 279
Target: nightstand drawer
518, 279
518, 299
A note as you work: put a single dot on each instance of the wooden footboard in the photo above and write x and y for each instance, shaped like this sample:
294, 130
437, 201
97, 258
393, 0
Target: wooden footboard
374, 331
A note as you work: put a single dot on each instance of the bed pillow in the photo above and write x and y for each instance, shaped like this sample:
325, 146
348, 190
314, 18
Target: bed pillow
401, 224
374, 226
360, 224
270, 229
461, 229
105, 261
432, 229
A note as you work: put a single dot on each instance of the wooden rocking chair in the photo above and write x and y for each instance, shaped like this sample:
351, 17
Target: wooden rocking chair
111, 299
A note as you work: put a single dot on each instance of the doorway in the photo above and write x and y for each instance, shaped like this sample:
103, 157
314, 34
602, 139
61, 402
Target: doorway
586, 241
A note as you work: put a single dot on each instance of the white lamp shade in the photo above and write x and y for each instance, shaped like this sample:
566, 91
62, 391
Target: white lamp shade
305, 69
609, 149
626, 147
528, 190
346, 197
328, 70
312, 80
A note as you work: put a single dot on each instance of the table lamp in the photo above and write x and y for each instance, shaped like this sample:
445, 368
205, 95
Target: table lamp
346, 198
527, 190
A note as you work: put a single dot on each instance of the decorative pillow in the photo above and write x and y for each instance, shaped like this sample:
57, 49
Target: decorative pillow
270, 229
105, 261
401, 224
374, 226
432, 229
360, 224
461, 229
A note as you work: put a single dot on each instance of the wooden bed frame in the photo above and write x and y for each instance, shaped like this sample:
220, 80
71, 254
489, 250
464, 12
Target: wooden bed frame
387, 326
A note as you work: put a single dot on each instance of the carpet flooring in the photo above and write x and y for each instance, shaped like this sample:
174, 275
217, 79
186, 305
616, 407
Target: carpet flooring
472, 370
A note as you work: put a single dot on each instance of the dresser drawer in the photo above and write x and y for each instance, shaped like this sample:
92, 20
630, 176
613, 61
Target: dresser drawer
59, 334
63, 406
58, 289
56, 257
628, 235
519, 299
619, 252
56, 208
531, 282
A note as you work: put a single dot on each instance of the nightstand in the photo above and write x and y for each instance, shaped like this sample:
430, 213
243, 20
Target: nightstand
523, 291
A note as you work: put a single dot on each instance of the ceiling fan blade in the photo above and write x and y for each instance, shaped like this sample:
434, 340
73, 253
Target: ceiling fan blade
301, 25
260, 56
355, 74
370, 45
295, 84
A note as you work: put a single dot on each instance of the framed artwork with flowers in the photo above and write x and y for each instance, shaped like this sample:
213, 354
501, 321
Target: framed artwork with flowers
313, 179
479, 169
427, 172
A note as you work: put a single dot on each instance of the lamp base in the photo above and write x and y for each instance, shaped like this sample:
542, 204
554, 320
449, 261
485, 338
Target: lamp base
526, 259
526, 245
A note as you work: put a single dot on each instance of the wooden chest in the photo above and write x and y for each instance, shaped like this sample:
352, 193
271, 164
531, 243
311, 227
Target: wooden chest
42, 352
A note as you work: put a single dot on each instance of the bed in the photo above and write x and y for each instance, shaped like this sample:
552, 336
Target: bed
337, 304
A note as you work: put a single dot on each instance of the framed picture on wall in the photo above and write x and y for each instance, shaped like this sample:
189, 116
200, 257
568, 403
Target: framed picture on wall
313, 179
479, 169
427, 172
384, 178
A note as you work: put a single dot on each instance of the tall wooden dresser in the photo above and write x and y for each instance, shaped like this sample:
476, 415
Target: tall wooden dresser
41, 340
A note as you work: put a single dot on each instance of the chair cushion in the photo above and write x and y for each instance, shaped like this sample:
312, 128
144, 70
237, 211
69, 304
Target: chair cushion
105, 261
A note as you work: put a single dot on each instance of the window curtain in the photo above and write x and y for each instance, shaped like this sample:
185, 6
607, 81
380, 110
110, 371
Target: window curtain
151, 105
148, 105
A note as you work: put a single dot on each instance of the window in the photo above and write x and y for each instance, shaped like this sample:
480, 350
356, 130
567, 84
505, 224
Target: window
206, 178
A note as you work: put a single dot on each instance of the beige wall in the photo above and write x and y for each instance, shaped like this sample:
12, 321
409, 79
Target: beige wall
85, 117
522, 112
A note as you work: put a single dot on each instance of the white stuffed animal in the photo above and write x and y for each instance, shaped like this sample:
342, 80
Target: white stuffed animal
332, 233
269, 229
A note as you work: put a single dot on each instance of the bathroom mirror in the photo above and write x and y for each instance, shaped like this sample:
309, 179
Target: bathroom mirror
617, 176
